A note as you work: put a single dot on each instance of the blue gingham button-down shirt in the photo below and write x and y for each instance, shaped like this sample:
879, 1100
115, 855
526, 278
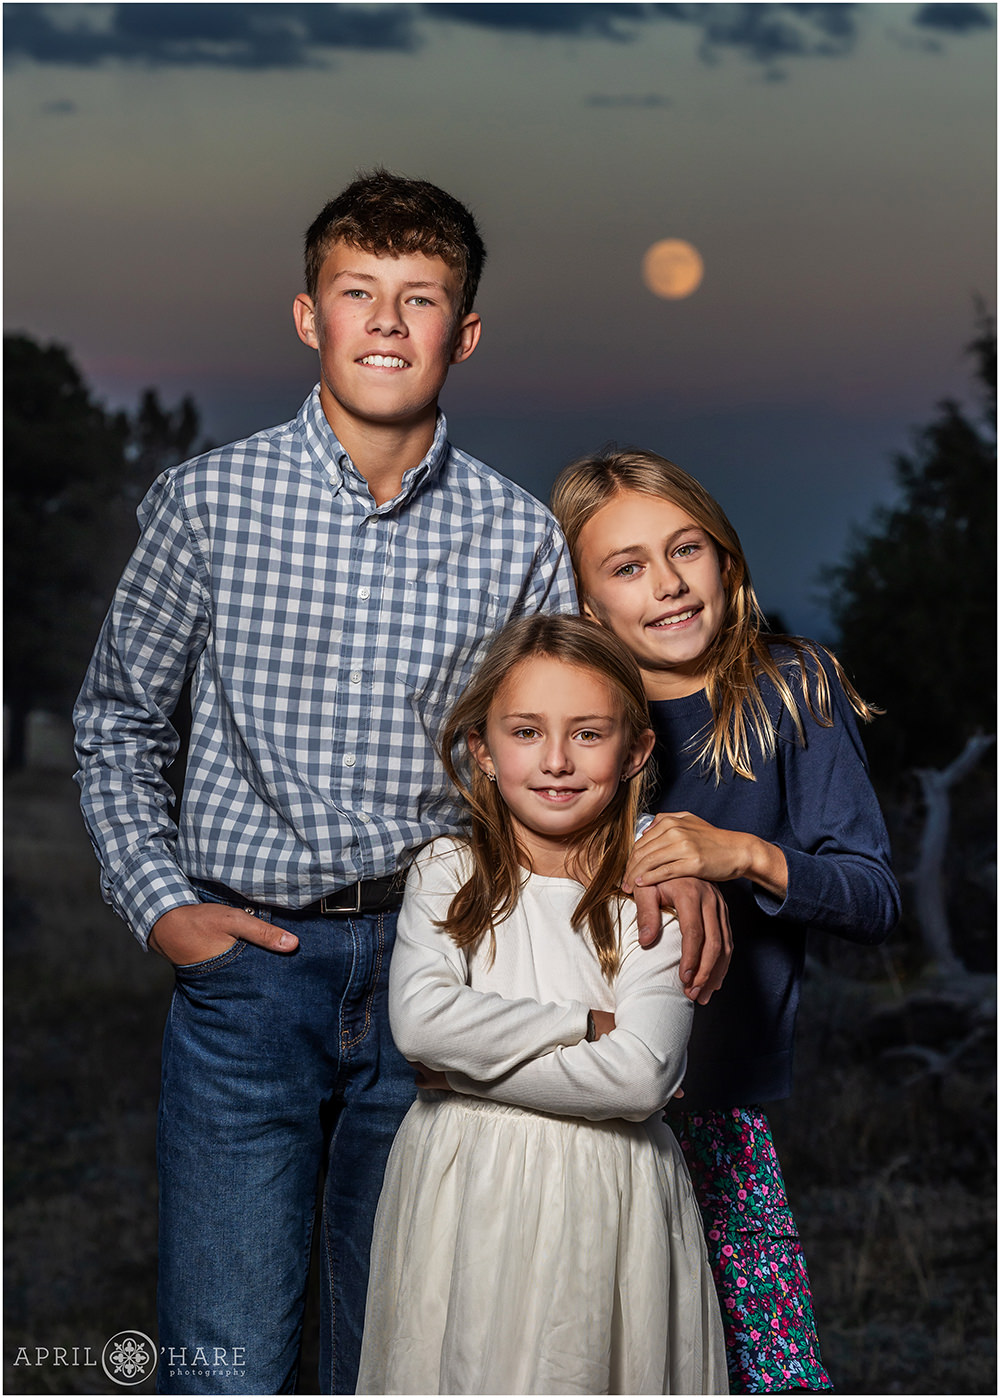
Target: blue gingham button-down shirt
327, 637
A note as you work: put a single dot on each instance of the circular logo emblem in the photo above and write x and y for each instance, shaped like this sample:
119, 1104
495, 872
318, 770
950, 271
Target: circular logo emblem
128, 1358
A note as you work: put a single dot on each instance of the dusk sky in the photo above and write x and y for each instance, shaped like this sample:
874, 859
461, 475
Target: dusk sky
834, 164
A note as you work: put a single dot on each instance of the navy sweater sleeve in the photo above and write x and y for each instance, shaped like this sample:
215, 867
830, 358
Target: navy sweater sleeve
814, 801
840, 876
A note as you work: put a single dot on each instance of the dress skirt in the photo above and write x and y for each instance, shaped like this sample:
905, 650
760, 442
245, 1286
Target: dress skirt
518, 1253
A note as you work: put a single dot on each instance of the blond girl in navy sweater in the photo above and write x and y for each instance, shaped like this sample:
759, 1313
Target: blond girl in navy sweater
764, 789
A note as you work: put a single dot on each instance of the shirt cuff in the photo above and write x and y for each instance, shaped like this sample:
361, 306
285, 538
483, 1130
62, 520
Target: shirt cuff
799, 902
148, 886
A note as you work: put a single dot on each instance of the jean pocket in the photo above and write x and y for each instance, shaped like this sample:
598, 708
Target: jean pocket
213, 963
222, 958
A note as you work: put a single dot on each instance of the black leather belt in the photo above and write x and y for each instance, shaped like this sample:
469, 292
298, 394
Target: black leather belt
369, 896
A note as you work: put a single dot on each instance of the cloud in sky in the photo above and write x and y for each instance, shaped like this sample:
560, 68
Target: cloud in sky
230, 36
271, 35
626, 99
61, 106
762, 33
602, 21
957, 19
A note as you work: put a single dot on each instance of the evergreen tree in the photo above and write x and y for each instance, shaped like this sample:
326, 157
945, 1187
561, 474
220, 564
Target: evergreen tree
64, 468
74, 473
914, 601
160, 437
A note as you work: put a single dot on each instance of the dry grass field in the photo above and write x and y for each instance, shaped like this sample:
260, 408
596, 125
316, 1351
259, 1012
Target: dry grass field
890, 1162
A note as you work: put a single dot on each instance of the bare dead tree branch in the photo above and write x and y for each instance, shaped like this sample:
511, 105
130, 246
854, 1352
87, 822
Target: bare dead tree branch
928, 877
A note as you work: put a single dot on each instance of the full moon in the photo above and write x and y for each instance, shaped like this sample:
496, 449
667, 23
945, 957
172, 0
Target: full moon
672, 268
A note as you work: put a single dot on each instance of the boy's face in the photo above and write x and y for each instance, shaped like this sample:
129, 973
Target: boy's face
387, 330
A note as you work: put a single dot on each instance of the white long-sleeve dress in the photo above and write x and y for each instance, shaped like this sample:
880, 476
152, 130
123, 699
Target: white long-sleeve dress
536, 1233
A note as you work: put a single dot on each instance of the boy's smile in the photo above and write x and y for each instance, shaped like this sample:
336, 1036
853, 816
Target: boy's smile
385, 361
387, 332
655, 578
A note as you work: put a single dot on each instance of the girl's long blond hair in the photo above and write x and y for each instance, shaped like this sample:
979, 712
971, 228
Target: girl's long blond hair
740, 655
601, 851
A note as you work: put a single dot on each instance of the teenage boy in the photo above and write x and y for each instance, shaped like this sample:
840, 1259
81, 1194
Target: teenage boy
328, 584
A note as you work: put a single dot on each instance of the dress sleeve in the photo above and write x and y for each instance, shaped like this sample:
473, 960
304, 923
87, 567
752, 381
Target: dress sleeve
149, 643
840, 874
439, 1020
631, 1072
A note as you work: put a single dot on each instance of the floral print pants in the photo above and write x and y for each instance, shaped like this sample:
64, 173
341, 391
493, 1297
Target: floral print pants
754, 1251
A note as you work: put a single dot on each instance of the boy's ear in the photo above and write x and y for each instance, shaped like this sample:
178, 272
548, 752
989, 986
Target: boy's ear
588, 611
304, 312
467, 334
640, 752
480, 752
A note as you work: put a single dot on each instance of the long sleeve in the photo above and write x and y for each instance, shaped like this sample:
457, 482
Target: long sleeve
840, 876
631, 1072
327, 637
436, 1017
550, 586
148, 645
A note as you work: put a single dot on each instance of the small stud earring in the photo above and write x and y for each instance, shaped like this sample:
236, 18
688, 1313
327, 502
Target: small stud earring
491, 776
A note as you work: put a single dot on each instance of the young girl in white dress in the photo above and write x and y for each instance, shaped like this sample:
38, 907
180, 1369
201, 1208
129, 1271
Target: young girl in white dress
537, 1230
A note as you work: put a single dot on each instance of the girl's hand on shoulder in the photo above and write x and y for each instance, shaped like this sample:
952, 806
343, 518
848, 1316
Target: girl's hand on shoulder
680, 845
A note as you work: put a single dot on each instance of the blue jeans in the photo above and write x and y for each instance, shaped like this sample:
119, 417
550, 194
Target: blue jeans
276, 1069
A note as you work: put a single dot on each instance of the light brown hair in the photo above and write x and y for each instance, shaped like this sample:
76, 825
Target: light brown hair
498, 860
740, 655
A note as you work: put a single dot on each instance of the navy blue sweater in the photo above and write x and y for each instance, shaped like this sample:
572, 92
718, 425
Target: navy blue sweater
817, 804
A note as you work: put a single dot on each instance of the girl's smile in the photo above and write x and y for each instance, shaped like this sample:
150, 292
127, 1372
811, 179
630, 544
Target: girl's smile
655, 578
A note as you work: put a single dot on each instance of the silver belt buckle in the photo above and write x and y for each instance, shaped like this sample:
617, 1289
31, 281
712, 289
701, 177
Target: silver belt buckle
335, 902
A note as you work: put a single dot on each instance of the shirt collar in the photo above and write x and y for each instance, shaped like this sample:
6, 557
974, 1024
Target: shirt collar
332, 457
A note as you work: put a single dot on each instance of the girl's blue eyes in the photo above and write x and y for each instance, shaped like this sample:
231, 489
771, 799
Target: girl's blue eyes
629, 570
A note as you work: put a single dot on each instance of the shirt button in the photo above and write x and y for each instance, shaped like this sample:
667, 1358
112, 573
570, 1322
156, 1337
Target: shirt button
350, 760
363, 818
364, 593
355, 677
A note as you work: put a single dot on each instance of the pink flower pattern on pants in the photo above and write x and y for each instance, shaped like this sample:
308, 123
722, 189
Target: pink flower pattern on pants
754, 1250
